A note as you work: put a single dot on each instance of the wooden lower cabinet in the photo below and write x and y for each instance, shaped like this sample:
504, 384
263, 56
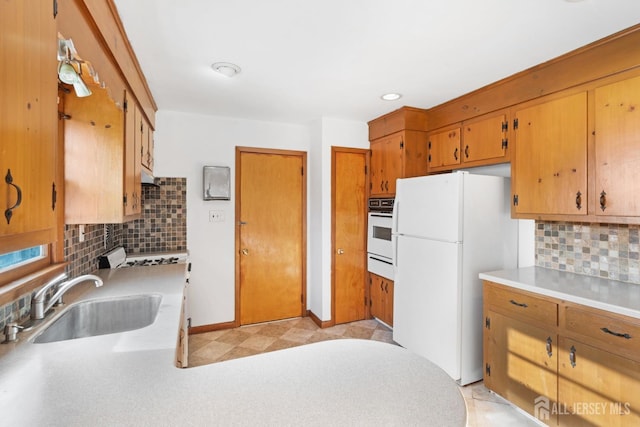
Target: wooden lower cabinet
579, 367
596, 387
515, 349
381, 298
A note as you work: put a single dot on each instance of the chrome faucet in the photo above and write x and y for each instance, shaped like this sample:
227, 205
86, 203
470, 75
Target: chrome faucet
38, 306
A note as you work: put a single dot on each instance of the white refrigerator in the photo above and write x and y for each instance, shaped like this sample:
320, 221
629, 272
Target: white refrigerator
446, 230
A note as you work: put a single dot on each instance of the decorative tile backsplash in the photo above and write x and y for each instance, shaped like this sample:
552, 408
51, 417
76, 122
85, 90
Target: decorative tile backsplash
603, 250
83, 256
162, 228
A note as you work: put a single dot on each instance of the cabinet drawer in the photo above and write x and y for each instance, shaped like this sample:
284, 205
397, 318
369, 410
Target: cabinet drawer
520, 304
614, 331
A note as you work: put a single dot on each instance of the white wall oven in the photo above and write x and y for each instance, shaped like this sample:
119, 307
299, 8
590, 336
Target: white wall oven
379, 246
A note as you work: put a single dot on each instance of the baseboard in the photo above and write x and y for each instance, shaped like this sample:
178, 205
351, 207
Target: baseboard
317, 321
194, 330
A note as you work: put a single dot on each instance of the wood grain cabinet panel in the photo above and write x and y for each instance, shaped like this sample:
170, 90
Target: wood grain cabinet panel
102, 183
514, 350
381, 298
597, 387
398, 146
478, 142
549, 174
522, 305
444, 149
581, 367
485, 141
28, 120
617, 149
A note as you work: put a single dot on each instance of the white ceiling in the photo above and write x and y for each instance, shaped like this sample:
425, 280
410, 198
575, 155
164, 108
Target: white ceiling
306, 59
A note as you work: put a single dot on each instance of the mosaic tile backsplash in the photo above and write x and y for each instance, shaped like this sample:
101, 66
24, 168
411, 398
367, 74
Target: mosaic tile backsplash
162, 228
609, 251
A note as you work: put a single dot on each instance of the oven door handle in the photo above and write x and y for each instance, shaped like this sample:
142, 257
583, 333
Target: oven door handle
381, 260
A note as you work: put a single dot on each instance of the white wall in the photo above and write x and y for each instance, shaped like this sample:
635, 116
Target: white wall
325, 133
184, 143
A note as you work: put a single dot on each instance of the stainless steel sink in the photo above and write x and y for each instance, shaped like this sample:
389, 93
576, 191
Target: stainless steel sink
101, 317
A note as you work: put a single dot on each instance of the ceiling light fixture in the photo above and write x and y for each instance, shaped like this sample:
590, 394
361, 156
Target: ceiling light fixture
391, 96
226, 68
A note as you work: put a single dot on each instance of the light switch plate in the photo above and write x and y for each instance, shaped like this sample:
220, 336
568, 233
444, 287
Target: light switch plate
216, 216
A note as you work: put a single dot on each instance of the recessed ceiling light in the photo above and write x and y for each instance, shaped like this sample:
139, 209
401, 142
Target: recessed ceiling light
391, 96
226, 68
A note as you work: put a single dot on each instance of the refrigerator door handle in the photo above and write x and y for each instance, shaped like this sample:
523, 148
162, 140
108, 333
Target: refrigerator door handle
394, 232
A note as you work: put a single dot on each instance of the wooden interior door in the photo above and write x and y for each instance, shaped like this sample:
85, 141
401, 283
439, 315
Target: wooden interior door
270, 237
349, 234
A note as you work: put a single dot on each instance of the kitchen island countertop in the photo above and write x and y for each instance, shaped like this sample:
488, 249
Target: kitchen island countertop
605, 294
130, 378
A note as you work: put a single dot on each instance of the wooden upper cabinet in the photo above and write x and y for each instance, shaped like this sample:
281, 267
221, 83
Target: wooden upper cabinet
444, 149
478, 142
405, 118
485, 140
146, 146
98, 168
28, 121
132, 160
549, 174
617, 149
398, 149
386, 164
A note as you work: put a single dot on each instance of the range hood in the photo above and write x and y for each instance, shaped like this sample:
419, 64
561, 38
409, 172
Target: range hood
148, 179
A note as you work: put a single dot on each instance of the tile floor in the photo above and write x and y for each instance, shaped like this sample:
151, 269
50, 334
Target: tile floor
485, 409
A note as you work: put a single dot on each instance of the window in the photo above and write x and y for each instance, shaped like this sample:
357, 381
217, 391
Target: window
22, 257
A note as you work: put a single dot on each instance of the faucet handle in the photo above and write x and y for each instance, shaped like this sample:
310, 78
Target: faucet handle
11, 332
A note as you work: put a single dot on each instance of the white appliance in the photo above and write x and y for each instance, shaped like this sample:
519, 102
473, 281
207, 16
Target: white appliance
379, 245
446, 230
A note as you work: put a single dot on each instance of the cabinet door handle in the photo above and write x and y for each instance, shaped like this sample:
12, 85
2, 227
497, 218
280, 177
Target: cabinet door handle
579, 200
466, 151
549, 347
572, 356
8, 213
603, 201
615, 334
519, 304
455, 154
54, 196
381, 185
386, 186
386, 287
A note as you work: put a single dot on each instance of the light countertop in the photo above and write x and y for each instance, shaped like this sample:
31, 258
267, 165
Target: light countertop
130, 378
610, 295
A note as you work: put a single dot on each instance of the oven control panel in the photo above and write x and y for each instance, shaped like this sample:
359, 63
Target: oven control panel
381, 205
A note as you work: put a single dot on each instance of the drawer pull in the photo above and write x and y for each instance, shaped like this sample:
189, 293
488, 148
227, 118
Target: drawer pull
572, 356
549, 349
615, 334
519, 304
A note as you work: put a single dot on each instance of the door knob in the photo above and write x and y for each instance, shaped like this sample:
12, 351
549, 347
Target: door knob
245, 252
340, 251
